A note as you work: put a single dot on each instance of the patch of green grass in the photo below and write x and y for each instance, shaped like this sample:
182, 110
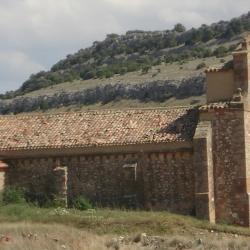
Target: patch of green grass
106, 221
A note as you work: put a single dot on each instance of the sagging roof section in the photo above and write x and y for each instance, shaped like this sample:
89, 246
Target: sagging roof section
96, 128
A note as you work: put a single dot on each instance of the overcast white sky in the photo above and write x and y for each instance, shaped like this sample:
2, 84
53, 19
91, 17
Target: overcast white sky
35, 34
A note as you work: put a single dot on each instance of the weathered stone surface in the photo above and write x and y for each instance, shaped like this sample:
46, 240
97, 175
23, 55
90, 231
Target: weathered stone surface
159, 180
229, 160
61, 185
169, 184
230, 166
36, 175
204, 172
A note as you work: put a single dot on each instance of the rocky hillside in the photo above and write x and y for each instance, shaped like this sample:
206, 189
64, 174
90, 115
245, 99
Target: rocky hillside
156, 91
152, 66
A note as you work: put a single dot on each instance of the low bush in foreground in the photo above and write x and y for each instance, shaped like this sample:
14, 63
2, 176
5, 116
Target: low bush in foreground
17, 195
82, 203
13, 195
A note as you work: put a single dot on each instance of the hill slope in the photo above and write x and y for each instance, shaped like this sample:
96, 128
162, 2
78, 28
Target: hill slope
163, 67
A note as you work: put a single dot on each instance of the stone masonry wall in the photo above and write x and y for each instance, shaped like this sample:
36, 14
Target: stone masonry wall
100, 178
169, 182
241, 68
157, 181
231, 201
35, 175
247, 150
204, 175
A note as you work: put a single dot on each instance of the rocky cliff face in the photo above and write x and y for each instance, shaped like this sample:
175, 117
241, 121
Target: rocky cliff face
156, 91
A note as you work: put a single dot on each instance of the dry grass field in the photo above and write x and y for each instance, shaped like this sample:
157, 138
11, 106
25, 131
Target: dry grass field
25, 227
27, 236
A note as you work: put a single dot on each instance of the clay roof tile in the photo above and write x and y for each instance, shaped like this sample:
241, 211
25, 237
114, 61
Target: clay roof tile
97, 128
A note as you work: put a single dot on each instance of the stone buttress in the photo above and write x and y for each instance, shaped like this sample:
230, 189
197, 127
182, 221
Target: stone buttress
222, 143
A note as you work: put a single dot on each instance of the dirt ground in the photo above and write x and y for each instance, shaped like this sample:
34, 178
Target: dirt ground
27, 236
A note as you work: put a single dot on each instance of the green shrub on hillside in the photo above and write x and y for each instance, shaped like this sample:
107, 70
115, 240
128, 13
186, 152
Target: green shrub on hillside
220, 51
179, 28
145, 69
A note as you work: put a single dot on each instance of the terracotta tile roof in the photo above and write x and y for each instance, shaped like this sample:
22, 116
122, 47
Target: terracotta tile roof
96, 128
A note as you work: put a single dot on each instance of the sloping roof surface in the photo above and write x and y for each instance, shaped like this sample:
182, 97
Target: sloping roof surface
96, 128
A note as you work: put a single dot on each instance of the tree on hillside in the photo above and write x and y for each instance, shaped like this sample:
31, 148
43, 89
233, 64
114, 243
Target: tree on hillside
170, 41
179, 28
220, 51
236, 26
229, 33
194, 37
206, 33
246, 24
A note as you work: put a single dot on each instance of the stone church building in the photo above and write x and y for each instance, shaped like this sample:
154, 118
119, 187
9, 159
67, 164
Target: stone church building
188, 160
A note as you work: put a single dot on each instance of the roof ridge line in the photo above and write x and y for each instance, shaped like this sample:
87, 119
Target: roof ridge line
23, 115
